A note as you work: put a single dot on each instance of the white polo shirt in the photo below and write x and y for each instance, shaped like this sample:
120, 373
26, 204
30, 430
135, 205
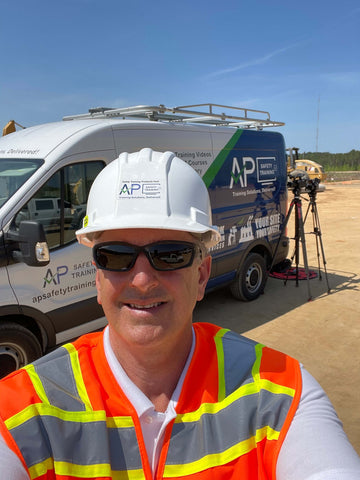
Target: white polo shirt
152, 423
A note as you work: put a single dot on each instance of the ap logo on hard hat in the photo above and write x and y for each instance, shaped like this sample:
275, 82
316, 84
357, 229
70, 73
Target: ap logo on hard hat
141, 189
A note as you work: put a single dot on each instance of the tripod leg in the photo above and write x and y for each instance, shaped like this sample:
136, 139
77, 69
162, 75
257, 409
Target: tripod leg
307, 212
296, 248
319, 237
315, 231
296, 236
302, 238
297, 239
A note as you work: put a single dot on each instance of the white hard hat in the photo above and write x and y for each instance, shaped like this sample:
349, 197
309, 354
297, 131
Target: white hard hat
149, 189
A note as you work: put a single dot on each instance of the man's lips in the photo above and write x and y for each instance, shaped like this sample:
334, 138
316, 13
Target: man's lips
148, 306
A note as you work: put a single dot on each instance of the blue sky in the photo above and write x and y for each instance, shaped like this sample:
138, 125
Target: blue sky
296, 59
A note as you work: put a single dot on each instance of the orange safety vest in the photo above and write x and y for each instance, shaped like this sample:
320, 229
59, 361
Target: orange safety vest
66, 417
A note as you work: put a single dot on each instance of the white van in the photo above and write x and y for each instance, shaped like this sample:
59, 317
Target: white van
45, 175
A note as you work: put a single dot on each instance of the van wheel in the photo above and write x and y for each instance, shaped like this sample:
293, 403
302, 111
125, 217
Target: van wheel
18, 347
250, 281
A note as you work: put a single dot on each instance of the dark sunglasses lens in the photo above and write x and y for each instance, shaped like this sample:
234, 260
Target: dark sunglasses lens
171, 256
114, 257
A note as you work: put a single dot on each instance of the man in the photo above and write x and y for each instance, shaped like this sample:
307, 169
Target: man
155, 396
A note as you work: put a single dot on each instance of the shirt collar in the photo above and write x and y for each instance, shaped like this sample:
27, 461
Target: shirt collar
138, 399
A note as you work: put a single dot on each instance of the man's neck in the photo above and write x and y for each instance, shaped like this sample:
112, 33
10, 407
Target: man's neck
155, 371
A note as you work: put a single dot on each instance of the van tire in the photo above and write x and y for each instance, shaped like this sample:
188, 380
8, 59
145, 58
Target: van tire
251, 278
18, 347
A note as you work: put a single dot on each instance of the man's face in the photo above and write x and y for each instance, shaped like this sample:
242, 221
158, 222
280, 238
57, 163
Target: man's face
147, 307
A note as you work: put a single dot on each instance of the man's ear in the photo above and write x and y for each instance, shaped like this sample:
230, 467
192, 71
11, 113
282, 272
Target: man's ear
204, 274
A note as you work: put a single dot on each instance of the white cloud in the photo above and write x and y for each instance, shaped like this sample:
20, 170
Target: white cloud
255, 61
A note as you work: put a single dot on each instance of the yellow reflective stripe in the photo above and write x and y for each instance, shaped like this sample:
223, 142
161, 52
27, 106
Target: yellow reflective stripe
244, 390
128, 475
80, 385
220, 357
41, 468
84, 471
36, 382
264, 383
221, 458
79, 471
256, 367
80, 417
276, 388
266, 432
213, 408
74, 358
119, 422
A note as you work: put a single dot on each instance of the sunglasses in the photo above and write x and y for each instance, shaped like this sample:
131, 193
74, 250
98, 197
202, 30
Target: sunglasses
163, 256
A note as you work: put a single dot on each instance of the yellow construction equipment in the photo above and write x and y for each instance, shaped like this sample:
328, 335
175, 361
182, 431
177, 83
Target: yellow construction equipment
10, 127
313, 169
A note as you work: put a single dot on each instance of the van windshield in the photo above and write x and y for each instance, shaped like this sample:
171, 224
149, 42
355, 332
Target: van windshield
13, 173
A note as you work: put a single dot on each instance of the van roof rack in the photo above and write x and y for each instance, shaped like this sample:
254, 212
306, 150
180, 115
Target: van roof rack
208, 114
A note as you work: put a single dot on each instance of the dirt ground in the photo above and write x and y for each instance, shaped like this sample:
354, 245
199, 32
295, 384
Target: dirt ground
323, 333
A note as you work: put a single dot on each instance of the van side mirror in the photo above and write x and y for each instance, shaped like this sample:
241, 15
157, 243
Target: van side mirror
34, 250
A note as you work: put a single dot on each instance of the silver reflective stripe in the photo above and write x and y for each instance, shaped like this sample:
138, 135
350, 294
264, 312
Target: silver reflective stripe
79, 443
57, 377
239, 358
215, 433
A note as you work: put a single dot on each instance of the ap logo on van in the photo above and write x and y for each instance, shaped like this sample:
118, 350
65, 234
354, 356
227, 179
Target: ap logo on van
240, 174
54, 278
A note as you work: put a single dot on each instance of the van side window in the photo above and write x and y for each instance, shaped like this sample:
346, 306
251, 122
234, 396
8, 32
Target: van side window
60, 204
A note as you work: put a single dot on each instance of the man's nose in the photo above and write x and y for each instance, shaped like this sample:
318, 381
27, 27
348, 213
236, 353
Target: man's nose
143, 276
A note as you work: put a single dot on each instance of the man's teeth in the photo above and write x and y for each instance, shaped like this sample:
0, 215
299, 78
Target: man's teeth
151, 305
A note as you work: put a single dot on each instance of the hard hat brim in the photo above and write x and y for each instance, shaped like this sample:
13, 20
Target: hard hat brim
149, 222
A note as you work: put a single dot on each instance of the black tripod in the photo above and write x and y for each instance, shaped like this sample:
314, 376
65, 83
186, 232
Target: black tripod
298, 182
312, 191
299, 236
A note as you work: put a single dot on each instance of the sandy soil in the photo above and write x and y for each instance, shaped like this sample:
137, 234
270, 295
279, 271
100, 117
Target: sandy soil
323, 333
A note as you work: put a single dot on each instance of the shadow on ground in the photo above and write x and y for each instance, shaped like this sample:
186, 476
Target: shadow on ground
221, 308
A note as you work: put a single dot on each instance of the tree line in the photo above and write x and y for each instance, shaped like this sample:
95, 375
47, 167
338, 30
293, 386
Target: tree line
335, 162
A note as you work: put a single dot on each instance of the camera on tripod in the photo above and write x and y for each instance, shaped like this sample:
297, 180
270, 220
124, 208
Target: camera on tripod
299, 181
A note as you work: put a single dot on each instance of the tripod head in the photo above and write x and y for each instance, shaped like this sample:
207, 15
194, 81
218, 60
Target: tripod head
297, 180
312, 188
300, 182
